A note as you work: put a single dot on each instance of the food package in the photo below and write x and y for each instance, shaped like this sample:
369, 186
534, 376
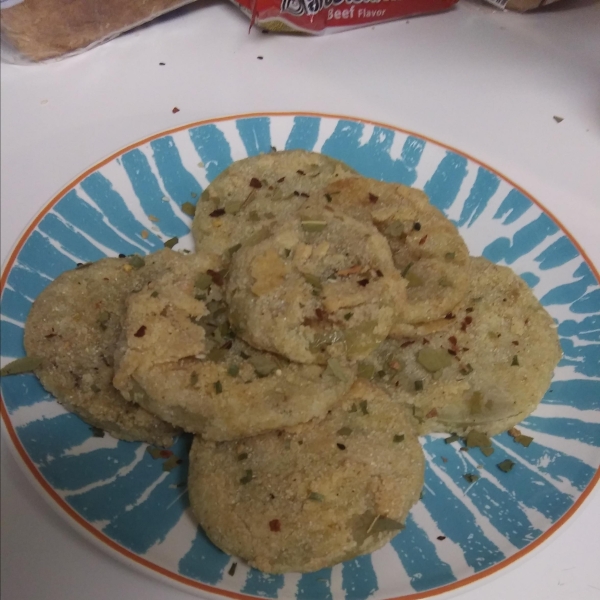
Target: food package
327, 16
37, 30
520, 5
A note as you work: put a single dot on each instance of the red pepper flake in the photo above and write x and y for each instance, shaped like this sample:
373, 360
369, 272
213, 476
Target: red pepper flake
281, 180
227, 345
432, 413
373, 198
300, 172
275, 525
422, 240
441, 537
452, 339
255, 183
469, 310
465, 349
406, 344
50, 335
219, 212
515, 343
450, 316
363, 282
453, 352
468, 320
379, 273
175, 110
304, 195
216, 276
165, 454
320, 313
296, 193
141, 332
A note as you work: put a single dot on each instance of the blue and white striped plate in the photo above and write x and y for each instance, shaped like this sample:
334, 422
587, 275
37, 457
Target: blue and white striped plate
458, 532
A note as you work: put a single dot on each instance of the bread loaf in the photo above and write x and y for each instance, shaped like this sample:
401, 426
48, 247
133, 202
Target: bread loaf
44, 29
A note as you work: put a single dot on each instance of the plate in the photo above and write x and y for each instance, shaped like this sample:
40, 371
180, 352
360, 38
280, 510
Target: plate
459, 531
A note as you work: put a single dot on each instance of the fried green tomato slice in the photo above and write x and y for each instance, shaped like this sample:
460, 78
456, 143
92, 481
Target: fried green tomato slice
179, 358
315, 495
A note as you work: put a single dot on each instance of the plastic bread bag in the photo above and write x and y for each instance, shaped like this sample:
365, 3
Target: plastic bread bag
328, 16
39, 30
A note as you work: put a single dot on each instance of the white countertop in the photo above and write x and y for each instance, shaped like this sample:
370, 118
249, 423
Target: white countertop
485, 82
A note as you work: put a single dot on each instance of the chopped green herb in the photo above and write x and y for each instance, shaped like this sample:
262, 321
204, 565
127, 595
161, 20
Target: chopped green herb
487, 451
97, 432
353, 408
217, 355
476, 439
193, 378
383, 524
257, 237
218, 387
136, 261
171, 242
233, 370
247, 478
203, 281
432, 359
253, 216
154, 294
313, 226
171, 463
154, 452
515, 361
406, 269
231, 251
313, 280
21, 365
450, 440
188, 208
344, 431
444, 282
363, 407
287, 252
398, 438
316, 497
470, 477
506, 465
242, 456
365, 370
348, 316
413, 280
450, 256
232, 569
336, 369
263, 364
418, 385
524, 440
233, 207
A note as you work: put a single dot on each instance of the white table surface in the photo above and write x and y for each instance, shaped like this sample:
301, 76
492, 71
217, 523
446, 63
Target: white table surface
486, 82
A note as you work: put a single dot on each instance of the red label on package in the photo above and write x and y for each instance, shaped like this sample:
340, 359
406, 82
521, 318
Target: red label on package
324, 16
